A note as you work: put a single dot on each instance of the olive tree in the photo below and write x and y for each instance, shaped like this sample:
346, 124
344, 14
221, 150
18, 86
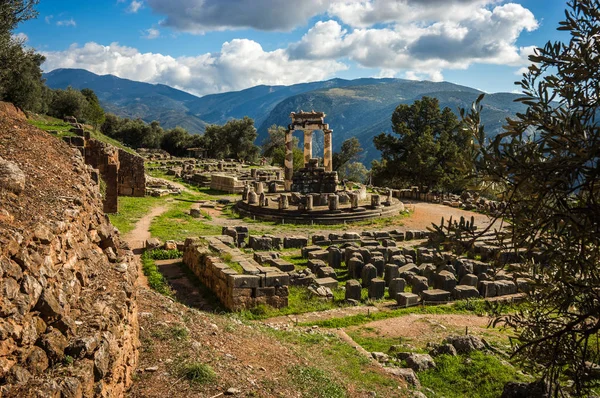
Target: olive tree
548, 162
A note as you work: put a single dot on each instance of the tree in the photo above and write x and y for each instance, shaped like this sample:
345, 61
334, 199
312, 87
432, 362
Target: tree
547, 160
428, 146
235, 139
93, 112
354, 171
349, 151
20, 74
69, 102
276, 140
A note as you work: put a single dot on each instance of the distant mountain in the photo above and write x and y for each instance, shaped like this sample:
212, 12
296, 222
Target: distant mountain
128, 98
359, 108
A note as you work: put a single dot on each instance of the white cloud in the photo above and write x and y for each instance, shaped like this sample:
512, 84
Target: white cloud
241, 64
486, 36
48, 18
135, 6
199, 16
21, 37
66, 22
150, 34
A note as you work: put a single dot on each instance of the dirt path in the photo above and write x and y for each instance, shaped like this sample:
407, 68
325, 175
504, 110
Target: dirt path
138, 236
424, 214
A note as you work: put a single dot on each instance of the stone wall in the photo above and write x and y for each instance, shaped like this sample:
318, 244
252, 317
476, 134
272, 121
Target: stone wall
105, 158
226, 183
235, 291
132, 175
68, 313
313, 179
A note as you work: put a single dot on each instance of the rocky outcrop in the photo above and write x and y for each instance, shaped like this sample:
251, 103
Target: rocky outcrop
68, 314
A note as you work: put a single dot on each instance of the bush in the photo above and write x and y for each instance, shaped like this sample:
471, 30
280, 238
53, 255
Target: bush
161, 254
198, 373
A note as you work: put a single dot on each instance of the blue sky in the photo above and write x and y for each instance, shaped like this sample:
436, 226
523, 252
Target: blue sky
209, 46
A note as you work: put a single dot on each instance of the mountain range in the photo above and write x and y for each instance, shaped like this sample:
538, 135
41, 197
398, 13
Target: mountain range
359, 108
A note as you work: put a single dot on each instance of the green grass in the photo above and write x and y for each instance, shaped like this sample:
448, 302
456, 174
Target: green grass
131, 210
48, 123
477, 375
478, 307
198, 373
340, 357
52, 124
156, 280
315, 383
300, 301
177, 224
161, 254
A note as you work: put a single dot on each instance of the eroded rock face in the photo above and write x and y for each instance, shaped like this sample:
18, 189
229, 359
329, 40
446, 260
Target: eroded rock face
12, 177
59, 293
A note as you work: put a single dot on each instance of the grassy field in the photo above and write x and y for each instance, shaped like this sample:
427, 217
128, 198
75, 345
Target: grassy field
132, 209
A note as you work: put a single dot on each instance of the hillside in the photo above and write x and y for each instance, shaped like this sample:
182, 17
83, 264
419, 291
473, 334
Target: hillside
356, 108
128, 98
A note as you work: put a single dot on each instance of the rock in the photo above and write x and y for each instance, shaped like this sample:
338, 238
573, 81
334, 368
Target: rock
419, 284
12, 178
122, 268
443, 349
233, 391
420, 362
151, 369
397, 285
465, 344
435, 296
380, 357
463, 292
524, 390
101, 362
18, 375
406, 374
153, 243
54, 344
170, 245
37, 361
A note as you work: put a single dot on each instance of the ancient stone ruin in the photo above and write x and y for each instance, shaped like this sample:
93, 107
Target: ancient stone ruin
122, 173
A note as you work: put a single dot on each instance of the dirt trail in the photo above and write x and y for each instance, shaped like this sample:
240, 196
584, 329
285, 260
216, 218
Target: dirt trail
138, 236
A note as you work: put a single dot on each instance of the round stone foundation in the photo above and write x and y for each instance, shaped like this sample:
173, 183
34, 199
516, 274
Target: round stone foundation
295, 214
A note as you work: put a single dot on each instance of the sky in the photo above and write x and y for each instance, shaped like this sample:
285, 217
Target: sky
213, 46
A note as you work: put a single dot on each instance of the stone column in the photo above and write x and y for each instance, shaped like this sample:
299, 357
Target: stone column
283, 202
309, 202
328, 153
307, 146
289, 160
334, 202
354, 200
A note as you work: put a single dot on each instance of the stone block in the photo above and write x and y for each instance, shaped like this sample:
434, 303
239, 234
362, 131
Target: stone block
326, 272
407, 299
390, 273
334, 257
435, 295
397, 285
445, 280
487, 289
368, 273
376, 288
327, 282
469, 280
379, 263
353, 290
246, 281
306, 250
419, 284
275, 279
504, 288
355, 266
282, 265
322, 255
464, 292
295, 242
314, 264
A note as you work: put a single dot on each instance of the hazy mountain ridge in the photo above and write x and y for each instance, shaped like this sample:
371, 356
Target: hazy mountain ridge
360, 107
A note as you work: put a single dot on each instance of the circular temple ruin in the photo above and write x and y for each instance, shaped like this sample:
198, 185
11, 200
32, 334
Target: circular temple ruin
311, 195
